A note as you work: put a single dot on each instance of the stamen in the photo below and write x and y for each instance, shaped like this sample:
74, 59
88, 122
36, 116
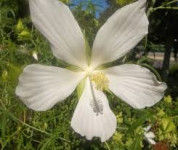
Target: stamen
100, 80
96, 104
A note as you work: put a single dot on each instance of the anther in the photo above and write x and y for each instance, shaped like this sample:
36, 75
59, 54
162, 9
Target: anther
100, 80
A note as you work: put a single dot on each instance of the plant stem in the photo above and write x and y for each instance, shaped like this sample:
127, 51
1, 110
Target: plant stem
107, 146
172, 2
162, 7
3, 104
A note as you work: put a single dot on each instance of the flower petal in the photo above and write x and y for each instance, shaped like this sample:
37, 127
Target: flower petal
151, 141
149, 135
41, 87
90, 121
147, 128
120, 33
135, 85
56, 22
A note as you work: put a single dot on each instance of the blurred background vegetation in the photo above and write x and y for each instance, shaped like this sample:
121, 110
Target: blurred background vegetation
21, 44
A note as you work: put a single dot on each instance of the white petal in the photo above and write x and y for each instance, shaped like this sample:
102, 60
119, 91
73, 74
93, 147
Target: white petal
149, 135
120, 33
35, 55
56, 22
147, 128
151, 141
135, 85
41, 87
91, 122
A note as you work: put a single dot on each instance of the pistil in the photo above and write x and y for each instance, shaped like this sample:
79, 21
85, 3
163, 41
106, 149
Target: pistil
96, 104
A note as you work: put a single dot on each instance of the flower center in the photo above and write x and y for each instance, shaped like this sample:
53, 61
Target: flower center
89, 71
100, 80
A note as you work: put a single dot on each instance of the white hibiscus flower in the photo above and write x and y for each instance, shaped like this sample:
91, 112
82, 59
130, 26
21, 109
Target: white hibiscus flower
149, 135
41, 87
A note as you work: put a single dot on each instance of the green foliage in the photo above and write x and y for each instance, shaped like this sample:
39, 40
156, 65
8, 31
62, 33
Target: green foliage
123, 2
167, 126
87, 21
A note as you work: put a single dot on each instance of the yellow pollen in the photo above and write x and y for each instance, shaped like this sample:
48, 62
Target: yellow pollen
100, 80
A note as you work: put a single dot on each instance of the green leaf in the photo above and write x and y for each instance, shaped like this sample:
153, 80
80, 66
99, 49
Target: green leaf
24, 35
4, 76
19, 27
3, 122
139, 121
14, 72
167, 125
136, 145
